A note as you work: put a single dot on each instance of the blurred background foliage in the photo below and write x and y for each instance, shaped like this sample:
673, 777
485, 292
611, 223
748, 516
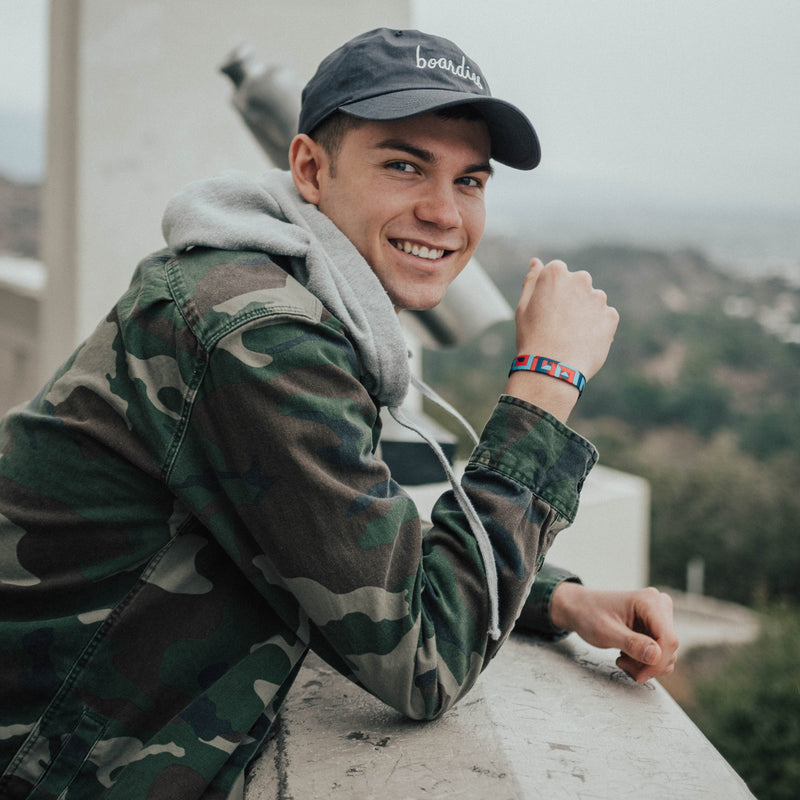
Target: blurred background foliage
748, 705
699, 400
699, 396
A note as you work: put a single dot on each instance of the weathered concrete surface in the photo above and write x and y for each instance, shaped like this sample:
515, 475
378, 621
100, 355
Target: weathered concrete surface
544, 721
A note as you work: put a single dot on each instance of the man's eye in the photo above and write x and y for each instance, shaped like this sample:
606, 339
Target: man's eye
468, 180
401, 166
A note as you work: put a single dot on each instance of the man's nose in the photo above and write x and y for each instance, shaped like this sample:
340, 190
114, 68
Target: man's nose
439, 206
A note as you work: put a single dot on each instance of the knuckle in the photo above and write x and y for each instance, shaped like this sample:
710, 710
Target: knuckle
584, 280
557, 267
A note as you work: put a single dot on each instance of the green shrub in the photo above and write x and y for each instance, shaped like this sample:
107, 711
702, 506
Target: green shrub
750, 709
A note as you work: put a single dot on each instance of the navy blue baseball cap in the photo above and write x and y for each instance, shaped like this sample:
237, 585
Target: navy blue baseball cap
394, 74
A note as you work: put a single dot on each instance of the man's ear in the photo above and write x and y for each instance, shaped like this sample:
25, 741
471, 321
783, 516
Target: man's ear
306, 160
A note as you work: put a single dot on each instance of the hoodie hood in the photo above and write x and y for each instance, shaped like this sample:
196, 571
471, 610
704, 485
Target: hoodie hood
237, 212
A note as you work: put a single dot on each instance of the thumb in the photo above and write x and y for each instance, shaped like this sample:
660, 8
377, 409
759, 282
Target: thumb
642, 648
633, 643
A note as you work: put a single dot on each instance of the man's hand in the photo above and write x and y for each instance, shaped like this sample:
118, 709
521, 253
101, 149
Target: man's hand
638, 623
560, 315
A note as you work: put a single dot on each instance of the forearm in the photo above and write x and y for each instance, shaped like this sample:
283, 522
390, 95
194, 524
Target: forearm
531, 469
566, 604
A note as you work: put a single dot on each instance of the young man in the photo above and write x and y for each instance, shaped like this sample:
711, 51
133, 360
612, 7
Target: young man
196, 498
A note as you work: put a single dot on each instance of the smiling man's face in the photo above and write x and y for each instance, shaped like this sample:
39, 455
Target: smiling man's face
409, 194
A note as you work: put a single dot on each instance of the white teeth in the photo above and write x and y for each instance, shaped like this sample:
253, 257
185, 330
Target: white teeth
417, 250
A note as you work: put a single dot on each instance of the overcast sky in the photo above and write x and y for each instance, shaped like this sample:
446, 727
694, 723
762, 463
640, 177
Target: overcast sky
687, 100
697, 99
22, 54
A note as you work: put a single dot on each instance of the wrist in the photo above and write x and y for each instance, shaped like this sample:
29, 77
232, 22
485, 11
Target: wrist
553, 386
542, 365
563, 604
555, 397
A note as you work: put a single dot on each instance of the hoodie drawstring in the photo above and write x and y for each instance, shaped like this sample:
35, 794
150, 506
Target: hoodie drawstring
475, 524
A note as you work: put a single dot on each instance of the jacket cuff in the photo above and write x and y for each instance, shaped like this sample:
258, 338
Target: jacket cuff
535, 615
536, 450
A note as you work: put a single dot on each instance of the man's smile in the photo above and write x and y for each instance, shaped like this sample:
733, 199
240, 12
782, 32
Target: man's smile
420, 250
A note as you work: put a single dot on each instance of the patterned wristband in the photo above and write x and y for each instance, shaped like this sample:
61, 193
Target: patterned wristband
547, 366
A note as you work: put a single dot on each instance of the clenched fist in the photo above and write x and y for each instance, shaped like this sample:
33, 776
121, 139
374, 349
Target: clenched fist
560, 315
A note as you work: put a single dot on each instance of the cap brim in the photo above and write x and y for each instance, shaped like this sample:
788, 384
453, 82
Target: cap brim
514, 140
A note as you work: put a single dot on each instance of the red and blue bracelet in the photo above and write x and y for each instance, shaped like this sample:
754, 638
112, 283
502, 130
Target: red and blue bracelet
548, 366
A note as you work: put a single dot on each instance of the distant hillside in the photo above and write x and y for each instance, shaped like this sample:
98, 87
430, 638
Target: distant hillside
699, 396
640, 279
19, 218
696, 346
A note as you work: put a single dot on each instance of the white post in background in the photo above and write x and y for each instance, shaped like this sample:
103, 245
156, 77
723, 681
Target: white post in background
139, 108
695, 575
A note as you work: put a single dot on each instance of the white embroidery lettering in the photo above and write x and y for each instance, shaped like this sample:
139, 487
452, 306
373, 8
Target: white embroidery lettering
461, 71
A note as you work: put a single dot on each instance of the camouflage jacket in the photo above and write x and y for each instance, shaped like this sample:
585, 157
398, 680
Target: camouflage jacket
195, 500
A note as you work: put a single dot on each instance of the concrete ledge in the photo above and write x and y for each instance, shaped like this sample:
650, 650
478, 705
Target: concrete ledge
545, 720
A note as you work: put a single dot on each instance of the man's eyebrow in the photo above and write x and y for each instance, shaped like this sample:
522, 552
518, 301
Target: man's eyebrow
426, 156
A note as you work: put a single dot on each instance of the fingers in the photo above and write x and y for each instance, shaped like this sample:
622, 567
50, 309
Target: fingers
643, 649
642, 672
529, 283
562, 316
651, 649
638, 623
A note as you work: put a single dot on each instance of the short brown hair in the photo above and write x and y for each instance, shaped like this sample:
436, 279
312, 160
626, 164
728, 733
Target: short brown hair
330, 133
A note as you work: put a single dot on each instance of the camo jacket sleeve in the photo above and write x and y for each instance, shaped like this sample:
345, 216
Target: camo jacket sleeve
195, 500
278, 460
